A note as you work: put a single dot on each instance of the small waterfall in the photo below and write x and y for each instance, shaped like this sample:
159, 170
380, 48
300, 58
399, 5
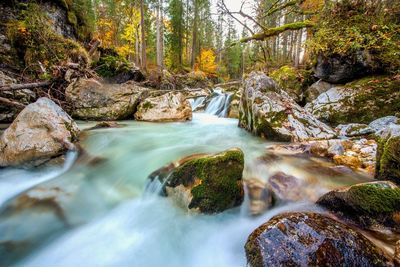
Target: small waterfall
196, 103
219, 104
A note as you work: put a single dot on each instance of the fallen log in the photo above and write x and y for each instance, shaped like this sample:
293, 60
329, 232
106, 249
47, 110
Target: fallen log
13, 87
11, 103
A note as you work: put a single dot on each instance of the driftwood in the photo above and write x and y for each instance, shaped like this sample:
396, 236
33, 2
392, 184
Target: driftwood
13, 87
11, 103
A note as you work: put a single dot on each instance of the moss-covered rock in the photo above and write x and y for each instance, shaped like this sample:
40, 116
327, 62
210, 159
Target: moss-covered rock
290, 80
310, 239
361, 101
369, 204
388, 155
204, 183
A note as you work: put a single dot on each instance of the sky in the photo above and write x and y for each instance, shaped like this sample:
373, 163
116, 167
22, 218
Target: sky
234, 5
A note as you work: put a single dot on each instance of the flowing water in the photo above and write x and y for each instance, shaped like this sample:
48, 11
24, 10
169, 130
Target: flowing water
96, 213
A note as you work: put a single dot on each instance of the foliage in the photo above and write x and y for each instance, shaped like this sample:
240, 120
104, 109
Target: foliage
111, 64
206, 62
358, 25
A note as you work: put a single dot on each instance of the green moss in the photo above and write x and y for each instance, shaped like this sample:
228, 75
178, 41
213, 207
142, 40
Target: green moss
289, 79
220, 179
388, 159
147, 105
373, 199
111, 64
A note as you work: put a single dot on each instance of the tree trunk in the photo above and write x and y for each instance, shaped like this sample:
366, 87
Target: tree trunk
194, 36
144, 58
160, 33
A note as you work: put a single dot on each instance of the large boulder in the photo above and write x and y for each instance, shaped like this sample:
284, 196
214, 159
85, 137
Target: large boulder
93, 100
388, 155
379, 125
342, 69
317, 88
269, 112
25, 97
204, 183
370, 205
361, 101
290, 80
310, 239
40, 132
171, 106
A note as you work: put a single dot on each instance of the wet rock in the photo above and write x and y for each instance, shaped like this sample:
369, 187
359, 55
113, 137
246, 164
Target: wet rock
350, 161
316, 89
105, 124
269, 112
396, 257
371, 205
388, 155
260, 198
93, 100
342, 69
361, 101
234, 109
171, 106
285, 187
354, 129
205, 183
40, 132
310, 239
25, 96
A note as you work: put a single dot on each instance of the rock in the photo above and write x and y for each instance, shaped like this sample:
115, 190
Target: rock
234, 109
260, 198
342, 69
370, 205
350, 161
171, 106
290, 80
310, 239
267, 111
205, 183
93, 100
396, 257
382, 123
361, 101
40, 132
354, 129
285, 187
316, 89
105, 124
25, 96
388, 155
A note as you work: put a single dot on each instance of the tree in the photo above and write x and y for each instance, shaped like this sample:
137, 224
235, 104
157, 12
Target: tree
160, 34
176, 13
143, 36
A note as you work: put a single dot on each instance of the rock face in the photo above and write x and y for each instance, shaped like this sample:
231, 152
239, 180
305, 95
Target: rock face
316, 89
7, 113
290, 80
369, 205
337, 69
93, 100
361, 101
354, 129
383, 123
310, 239
40, 132
171, 106
269, 112
388, 156
204, 183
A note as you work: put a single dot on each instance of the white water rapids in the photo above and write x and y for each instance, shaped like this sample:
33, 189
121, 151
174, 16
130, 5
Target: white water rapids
100, 215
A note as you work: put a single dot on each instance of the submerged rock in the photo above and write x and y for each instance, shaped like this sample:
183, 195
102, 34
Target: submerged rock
40, 132
361, 101
369, 204
171, 106
310, 239
260, 197
388, 156
316, 89
269, 112
205, 183
354, 129
93, 100
285, 187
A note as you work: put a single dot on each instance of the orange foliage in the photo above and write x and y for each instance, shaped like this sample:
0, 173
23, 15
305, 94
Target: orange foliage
206, 62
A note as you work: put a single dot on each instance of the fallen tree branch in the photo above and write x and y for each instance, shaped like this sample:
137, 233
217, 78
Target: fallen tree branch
11, 103
13, 87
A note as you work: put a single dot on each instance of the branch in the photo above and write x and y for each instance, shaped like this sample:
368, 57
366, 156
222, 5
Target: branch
11, 103
277, 30
235, 18
13, 87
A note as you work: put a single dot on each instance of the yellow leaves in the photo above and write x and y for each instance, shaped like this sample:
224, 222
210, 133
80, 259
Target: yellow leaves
312, 5
206, 62
105, 32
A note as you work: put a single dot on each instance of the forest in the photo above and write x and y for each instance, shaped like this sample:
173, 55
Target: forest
187, 133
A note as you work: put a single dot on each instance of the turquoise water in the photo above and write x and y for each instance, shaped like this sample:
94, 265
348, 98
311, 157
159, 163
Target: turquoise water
98, 215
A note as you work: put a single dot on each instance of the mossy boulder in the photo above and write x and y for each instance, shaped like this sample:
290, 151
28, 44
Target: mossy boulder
361, 101
205, 183
94, 100
388, 155
290, 80
310, 239
317, 88
269, 112
370, 205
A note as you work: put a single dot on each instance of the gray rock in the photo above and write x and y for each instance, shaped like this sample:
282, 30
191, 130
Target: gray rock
382, 123
316, 89
40, 132
354, 129
269, 112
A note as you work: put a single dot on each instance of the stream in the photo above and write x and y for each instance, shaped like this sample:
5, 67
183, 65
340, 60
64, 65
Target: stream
97, 213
